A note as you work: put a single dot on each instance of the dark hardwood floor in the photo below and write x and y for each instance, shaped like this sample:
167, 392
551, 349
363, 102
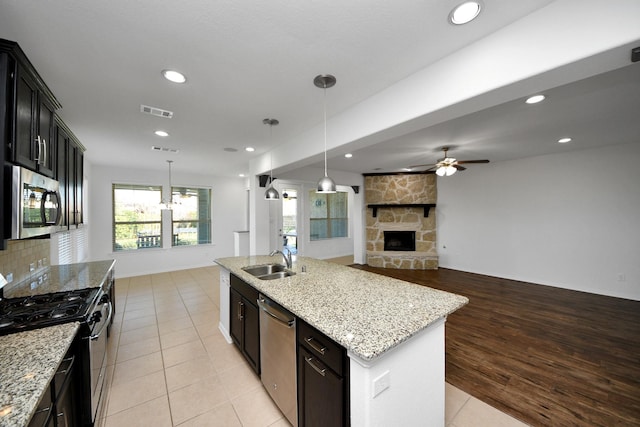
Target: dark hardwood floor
546, 356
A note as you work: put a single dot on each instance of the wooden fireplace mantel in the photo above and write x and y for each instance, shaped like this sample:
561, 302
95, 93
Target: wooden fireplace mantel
425, 206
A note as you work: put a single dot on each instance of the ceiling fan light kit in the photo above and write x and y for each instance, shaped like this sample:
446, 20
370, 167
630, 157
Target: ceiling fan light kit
447, 166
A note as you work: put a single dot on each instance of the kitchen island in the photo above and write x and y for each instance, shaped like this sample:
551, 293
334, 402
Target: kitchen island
393, 332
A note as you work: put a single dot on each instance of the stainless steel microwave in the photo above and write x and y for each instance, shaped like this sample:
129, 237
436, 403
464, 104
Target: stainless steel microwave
36, 206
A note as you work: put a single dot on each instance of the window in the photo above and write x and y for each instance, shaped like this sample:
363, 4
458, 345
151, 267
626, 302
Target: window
329, 215
191, 217
137, 218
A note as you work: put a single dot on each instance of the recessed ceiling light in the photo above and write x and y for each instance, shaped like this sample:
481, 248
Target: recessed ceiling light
348, 155
407, 169
465, 12
230, 150
161, 133
241, 175
249, 149
174, 76
564, 140
535, 99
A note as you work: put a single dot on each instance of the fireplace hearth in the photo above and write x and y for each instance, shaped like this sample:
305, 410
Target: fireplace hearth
399, 240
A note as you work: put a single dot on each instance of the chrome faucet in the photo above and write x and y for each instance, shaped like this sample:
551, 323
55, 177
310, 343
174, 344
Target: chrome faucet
287, 257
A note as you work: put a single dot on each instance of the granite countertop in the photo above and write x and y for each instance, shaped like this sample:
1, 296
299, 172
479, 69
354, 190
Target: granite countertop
367, 313
58, 278
28, 362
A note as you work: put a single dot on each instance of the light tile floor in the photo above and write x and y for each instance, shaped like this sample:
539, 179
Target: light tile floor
170, 366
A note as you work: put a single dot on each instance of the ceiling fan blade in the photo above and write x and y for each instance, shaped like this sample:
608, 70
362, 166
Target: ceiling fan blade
460, 168
473, 161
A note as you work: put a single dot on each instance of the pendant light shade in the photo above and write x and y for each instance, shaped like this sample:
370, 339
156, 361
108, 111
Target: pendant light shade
326, 184
271, 193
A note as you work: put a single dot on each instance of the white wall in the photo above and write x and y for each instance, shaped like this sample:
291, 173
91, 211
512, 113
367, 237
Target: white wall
229, 202
570, 220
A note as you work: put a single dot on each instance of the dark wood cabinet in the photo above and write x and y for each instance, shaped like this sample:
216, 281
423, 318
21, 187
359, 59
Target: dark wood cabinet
65, 393
75, 165
62, 144
70, 163
244, 321
6, 120
58, 406
323, 379
30, 142
30, 136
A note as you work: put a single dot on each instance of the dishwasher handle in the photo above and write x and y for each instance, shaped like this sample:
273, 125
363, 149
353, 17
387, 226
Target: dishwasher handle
275, 314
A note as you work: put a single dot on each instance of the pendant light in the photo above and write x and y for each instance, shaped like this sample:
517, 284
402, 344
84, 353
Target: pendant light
326, 184
271, 193
168, 204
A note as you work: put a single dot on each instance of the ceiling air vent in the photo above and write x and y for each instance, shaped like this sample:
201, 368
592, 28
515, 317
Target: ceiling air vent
154, 111
164, 149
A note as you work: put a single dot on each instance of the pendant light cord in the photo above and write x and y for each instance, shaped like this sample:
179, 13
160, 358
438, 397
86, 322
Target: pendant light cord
325, 129
271, 152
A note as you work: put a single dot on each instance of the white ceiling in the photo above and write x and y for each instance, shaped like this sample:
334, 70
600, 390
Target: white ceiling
248, 60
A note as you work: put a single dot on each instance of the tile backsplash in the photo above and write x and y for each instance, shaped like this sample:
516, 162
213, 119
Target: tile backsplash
20, 255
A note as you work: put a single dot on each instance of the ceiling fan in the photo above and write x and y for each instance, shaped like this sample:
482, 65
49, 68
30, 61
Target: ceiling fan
447, 166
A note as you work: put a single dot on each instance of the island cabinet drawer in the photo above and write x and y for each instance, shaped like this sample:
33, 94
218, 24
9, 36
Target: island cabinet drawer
244, 289
322, 347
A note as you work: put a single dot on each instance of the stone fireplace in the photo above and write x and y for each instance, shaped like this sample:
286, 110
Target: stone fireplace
400, 221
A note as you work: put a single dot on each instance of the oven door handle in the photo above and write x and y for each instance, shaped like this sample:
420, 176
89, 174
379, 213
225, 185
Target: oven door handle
104, 326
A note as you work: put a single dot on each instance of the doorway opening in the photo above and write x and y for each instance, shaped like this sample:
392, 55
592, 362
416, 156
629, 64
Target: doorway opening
289, 230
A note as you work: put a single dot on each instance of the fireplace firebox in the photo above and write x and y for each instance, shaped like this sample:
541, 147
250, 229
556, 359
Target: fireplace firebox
399, 240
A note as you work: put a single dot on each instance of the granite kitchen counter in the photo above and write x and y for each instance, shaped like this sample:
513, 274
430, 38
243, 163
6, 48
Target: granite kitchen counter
28, 362
367, 313
59, 278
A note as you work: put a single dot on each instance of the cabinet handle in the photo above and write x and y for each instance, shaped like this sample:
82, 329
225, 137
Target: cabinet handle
317, 347
240, 310
65, 371
38, 142
310, 361
62, 422
44, 150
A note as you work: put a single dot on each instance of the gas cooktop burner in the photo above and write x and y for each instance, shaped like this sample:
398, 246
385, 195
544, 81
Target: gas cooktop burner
37, 311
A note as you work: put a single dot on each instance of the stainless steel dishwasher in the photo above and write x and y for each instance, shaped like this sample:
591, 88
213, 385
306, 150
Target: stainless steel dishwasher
278, 356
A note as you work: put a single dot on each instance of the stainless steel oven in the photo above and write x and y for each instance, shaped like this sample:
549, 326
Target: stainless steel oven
36, 205
96, 346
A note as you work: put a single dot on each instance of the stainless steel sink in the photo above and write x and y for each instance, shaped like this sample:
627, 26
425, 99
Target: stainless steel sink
277, 275
268, 271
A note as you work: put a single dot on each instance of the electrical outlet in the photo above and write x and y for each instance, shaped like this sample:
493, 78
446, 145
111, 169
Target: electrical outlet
381, 383
622, 277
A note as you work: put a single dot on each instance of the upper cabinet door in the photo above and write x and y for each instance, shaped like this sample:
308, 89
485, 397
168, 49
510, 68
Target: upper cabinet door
46, 152
24, 142
34, 143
